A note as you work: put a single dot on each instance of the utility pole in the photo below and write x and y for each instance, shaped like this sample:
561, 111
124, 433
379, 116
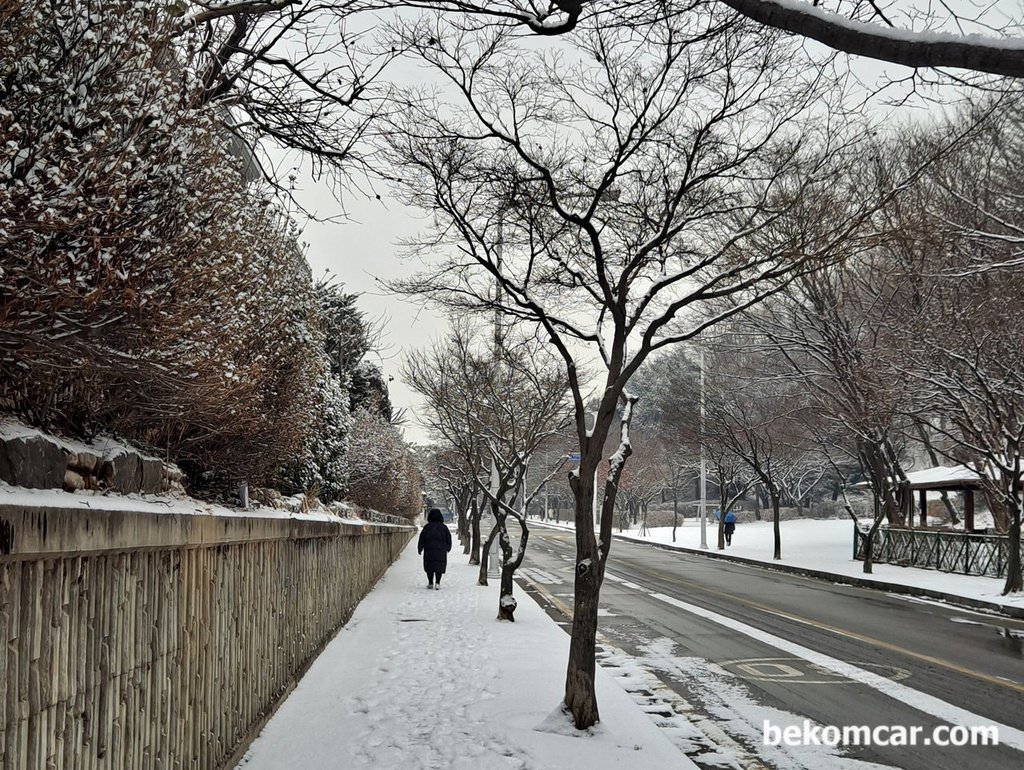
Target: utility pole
703, 460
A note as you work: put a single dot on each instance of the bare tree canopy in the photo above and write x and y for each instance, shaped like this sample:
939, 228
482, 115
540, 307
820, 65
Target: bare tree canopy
495, 408
603, 191
316, 76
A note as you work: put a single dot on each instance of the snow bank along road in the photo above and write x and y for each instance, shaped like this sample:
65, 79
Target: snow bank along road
732, 646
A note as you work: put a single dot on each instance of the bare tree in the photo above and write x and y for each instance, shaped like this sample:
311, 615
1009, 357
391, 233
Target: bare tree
964, 359
850, 332
835, 329
673, 383
968, 207
755, 415
451, 384
643, 479
808, 469
461, 489
606, 191
974, 380
496, 407
316, 77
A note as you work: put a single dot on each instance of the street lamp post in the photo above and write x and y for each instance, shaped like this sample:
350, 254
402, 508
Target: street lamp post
703, 461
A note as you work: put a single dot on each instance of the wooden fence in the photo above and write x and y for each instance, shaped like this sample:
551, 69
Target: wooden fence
955, 552
132, 640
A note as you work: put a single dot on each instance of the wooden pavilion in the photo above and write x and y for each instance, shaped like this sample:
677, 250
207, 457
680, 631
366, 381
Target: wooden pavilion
952, 478
955, 478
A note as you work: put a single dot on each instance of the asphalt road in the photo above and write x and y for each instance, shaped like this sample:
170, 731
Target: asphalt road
741, 645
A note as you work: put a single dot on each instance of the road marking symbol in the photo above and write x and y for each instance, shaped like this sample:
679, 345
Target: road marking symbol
989, 679
799, 671
916, 699
769, 671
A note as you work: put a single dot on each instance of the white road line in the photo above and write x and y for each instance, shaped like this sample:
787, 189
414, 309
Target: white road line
929, 704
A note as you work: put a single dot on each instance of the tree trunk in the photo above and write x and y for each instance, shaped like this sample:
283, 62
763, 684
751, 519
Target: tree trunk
474, 520
1014, 581
721, 516
675, 511
580, 695
874, 460
506, 602
775, 524
485, 556
463, 519
869, 539
869, 544
591, 554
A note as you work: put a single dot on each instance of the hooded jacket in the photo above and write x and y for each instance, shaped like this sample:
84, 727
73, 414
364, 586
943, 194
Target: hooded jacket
434, 543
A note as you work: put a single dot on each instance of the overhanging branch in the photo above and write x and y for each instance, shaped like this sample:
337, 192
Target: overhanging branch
906, 47
251, 7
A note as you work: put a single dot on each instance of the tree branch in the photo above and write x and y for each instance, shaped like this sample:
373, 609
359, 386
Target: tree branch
906, 47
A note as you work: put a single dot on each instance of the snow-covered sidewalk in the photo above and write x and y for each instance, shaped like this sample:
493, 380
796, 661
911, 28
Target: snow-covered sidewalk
825, 546
429, 679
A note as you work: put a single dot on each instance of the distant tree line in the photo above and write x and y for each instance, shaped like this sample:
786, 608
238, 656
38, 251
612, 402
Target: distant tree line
904, 353
490, 403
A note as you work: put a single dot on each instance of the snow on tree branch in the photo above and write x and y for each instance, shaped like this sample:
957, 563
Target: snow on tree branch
211, 12
998, 56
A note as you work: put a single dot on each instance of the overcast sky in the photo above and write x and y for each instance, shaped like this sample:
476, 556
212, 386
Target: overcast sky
361, 252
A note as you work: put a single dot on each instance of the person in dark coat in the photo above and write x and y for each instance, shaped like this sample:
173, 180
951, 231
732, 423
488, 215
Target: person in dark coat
730, 527
435, 542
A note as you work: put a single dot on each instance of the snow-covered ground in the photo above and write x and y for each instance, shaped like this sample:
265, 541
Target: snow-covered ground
429, 679
825, 545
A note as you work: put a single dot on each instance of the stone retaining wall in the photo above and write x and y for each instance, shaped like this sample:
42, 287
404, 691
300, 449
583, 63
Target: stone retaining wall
133, 640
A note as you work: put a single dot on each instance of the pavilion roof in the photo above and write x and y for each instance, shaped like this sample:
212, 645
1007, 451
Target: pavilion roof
939, 477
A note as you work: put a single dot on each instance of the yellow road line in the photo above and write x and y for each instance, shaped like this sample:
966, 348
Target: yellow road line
561, 606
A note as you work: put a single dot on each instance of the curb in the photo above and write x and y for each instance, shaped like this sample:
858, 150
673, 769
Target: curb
832, 577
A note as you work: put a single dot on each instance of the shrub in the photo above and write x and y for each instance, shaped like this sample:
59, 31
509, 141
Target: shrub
144, 288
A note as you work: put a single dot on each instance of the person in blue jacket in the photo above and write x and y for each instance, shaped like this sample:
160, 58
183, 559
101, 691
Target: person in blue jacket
435, 542
730, 527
